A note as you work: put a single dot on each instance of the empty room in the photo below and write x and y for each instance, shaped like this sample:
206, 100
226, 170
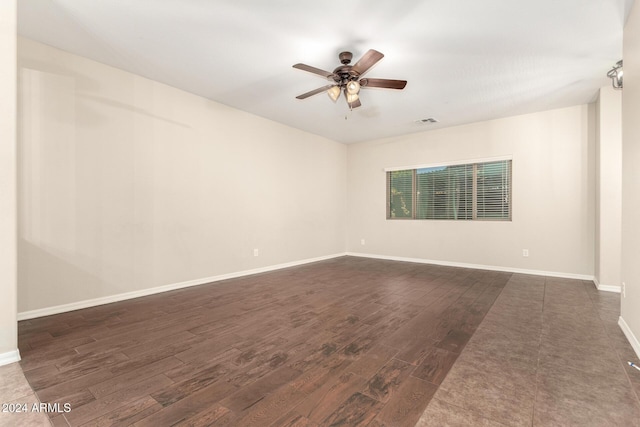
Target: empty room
366, 213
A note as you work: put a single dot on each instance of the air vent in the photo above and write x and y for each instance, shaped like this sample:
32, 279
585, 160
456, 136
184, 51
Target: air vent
427, 120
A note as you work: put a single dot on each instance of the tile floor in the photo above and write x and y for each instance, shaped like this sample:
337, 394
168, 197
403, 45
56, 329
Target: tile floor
14, 389
548, 353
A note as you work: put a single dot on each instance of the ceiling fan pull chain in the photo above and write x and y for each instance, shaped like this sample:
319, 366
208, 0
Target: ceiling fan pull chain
346, 116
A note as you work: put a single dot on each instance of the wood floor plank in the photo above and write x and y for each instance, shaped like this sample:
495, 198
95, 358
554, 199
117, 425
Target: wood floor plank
127, 414
188, 407
135, 326
59, 421
75, 398
129, 377
292, 419
326, 399
52, 349
72, 386
247, 396
257, 362
415, 352
86, 374
207, 349
107, 404
135, 337
435, 365
371, 362
88, 361
317, 355
454, 341
358, 410
183, 389
271, 407
407, 405
416, 328
387, 380
189, 370
182, 341
214, 415
312, 379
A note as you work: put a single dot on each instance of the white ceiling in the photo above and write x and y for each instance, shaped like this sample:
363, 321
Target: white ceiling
465, 60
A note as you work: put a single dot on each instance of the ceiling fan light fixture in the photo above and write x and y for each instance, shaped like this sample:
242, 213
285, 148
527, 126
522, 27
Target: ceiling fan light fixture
351, 98
334, 93
353, 87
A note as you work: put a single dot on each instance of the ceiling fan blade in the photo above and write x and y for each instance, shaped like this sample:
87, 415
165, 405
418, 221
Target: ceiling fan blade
383, 83
315, 92
367, 61
314, 70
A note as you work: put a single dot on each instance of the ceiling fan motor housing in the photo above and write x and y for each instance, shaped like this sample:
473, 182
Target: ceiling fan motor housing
344, 73
345, 57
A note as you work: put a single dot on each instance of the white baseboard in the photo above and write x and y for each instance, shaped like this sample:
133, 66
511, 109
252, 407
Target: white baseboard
9, 357
606, 288
476, 266
48, 311
635, 344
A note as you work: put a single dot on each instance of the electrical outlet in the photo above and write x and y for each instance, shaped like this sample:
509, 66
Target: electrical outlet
624, 290
525, 252
362, 242
256, 252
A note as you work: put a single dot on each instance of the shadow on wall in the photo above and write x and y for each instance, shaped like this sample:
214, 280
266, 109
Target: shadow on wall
128, 107
64, 87
58, 278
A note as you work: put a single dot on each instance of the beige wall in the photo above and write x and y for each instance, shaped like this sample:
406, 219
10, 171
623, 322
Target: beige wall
608, 188
630, 312
553, 194
127, 184
8, 324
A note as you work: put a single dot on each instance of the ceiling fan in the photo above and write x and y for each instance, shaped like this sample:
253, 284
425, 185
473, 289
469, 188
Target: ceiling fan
348, 78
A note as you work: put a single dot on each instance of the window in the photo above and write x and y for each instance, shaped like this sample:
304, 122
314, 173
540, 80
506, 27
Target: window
474, 191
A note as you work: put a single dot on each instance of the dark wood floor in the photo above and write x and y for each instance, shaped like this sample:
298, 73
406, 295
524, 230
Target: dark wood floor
350, 341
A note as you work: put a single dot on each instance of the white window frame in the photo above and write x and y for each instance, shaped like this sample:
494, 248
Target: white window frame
473, 162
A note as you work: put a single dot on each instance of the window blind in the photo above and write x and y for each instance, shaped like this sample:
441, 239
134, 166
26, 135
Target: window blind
445, 192
400, 194
494, 190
